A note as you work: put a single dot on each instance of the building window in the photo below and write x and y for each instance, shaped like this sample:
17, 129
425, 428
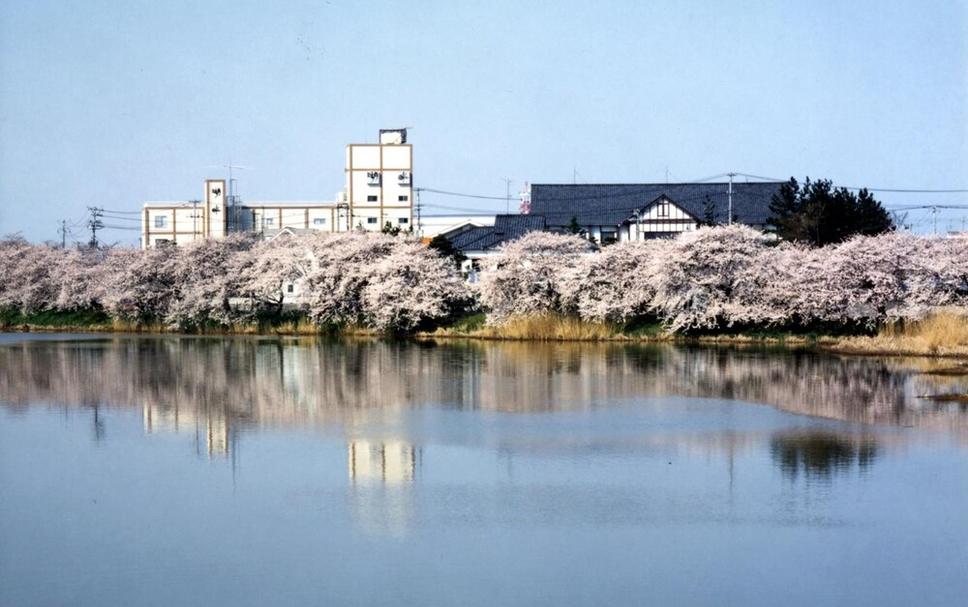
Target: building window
319, 221
371, 198
664, 208
403, 198
404, 220
161, 221
270, 221
290, 288
371, 220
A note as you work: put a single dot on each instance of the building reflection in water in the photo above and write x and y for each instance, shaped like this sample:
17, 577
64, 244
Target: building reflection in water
381, 474
218, 386
389, 463
213, 432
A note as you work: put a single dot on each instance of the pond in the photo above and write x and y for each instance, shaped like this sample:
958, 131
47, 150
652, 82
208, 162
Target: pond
167, 470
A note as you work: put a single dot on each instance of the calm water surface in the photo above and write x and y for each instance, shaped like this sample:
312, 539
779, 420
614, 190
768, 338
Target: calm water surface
255, 471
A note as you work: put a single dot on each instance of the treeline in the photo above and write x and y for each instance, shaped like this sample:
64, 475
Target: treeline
710, 279
732, 276
388, 283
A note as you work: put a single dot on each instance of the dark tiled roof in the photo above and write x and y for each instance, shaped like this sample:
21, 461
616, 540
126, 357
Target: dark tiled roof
505, 228
612, 204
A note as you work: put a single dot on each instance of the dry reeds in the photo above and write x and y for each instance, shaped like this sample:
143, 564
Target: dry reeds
549, 327
941, 334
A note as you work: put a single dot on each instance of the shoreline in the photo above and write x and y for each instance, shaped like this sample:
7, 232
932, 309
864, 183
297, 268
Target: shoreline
868, 346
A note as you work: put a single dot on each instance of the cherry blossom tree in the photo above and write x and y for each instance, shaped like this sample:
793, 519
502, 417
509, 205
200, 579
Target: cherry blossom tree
711, 278
617, 284
411, 286
696, 285
204, 281
528, 275
28, 285
259, 275
140, 285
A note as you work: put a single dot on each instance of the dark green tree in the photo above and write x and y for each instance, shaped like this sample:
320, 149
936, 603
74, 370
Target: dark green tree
709, 212
817, 213
573, 226
445, 247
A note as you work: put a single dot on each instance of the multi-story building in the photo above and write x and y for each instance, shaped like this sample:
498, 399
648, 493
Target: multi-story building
378, 192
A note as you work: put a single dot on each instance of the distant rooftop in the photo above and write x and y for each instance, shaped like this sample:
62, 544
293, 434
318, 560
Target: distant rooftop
613, 203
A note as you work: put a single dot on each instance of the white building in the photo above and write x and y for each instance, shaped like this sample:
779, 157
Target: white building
378, 192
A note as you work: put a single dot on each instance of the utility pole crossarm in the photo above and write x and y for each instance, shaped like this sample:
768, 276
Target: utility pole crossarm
95, 224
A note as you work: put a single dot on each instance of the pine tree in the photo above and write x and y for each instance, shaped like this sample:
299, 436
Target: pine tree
816, 213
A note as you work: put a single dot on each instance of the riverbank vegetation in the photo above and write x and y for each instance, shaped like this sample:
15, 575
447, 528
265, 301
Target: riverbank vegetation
732, 283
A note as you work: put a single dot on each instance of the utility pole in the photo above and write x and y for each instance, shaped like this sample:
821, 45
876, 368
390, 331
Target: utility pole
95, 224
934, 214
730, 215
194, 218
419, 223
63, 233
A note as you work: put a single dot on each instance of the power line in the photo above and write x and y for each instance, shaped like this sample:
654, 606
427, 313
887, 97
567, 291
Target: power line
135, 219
110, 227
872, 189
122, 212
460, 194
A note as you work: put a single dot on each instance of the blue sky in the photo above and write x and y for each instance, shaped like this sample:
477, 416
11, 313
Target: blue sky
114, 103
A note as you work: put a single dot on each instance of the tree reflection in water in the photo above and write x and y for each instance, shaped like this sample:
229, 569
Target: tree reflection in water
818, 455
220, 384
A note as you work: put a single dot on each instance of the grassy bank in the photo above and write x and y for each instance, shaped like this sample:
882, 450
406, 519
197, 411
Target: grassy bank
93, 321
568, 328
944, 334
941, 335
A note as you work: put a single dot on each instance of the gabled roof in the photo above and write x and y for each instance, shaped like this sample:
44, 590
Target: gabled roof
613, 203
453, 231
662, 198
505, 229
287, 231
